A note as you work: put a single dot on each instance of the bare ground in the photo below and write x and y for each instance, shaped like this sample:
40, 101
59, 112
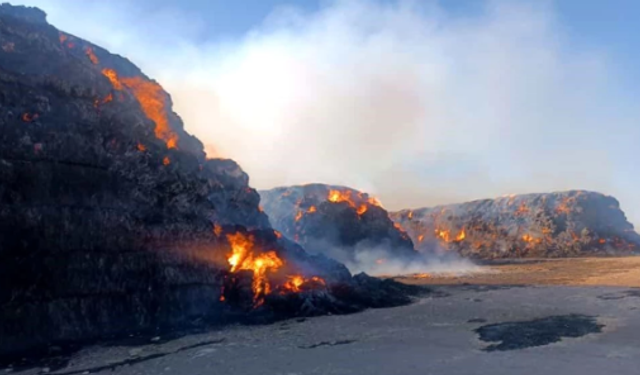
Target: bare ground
576, 316
575, 272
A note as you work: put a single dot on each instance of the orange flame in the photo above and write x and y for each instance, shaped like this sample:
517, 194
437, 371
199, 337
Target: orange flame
294, 283
278, 234
217, 229
63, 38
362, 209
28, 117
446, 236
242, 257
420, 238
336, 196
443, 234
151, 98
422, 276
92, 56
410, 215
602, 241
141, 147
374, 202
298, 216
527, 238
166, 160
113, 78
311, 209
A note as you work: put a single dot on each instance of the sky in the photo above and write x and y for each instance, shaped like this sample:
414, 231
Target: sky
417, 102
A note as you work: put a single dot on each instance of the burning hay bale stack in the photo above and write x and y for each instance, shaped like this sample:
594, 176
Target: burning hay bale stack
342, 223
112, 220
572, 223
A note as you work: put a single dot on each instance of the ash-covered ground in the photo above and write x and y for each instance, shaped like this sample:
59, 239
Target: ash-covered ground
464, 329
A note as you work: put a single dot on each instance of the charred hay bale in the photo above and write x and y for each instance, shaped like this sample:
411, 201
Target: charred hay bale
572, 223
340, 222
112, 220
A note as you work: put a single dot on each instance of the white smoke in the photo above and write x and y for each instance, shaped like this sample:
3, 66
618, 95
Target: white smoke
404, 100
384, 260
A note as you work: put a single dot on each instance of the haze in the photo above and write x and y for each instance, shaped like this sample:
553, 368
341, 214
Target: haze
415, 102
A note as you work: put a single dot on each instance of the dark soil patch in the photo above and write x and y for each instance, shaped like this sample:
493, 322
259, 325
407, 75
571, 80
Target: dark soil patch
538, 332
615, 296
327, 343
477, 320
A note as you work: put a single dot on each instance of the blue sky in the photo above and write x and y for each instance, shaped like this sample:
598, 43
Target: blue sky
418, 102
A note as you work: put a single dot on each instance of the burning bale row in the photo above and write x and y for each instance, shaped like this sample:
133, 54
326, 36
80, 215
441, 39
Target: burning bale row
339, 222
571, 223
112, 219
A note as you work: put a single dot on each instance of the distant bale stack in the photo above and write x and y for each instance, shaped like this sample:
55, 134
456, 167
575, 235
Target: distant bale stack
563, 224
343, 223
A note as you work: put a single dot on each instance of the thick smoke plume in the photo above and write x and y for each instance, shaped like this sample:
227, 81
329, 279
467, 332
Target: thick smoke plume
410, 102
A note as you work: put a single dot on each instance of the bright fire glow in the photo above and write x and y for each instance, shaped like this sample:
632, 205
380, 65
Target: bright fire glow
244, 257
92, 56
152, 99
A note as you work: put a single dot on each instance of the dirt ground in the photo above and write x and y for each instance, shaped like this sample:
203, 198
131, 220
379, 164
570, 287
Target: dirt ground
573, 317
573, 272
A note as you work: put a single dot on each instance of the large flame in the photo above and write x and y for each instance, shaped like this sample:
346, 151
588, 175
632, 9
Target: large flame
152, 99
359, 202
243, 256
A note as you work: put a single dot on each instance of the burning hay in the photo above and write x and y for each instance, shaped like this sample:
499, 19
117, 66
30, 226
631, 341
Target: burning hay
340, 222
114, 222
570, 223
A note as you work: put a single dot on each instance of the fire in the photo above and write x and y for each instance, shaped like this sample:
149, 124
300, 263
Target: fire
152, 99
166, 160
141, 147
362, 209
278, 234
527, 238
420, 238
92, 56
422, 276
242, 257
375, 202
63, 38
522, 209
107, 99
602, 241
398, 226
410, 215
298, 216
294, 283
336, 196
443, 234
311, 209
28, 117
217, 229
113, 78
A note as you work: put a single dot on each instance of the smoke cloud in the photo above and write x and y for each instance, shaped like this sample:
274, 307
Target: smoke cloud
407, 101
